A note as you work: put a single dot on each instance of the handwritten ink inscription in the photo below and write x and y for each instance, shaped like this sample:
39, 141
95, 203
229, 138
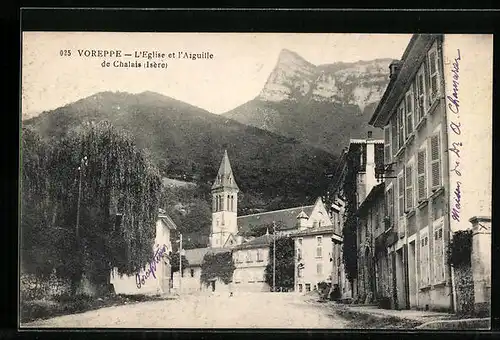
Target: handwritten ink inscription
455, 126
140, 280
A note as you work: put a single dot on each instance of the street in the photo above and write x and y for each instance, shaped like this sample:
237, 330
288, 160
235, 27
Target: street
243, 310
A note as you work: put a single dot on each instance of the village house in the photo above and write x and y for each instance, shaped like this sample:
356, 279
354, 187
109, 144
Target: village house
355, 177
425, 168
338, 274
133, 284
374, 283
251, 259
316, 245
189, 279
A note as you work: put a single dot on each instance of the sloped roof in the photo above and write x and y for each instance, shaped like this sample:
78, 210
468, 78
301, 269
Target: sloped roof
167, 220
224, 175
258, 242
376, 192
195, 256
285, 219
314, 231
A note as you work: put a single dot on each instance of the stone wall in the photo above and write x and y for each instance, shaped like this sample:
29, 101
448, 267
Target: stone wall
481, 263
464, 289
35, 288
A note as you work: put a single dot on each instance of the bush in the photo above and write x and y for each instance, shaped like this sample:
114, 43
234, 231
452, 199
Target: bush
335, 295
460, 248
384, 302
324, 289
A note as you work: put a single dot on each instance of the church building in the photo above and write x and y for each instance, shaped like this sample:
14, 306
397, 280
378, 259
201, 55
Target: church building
230, 232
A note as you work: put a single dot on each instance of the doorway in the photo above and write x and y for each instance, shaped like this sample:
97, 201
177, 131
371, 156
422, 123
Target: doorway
412, 275
394, 280
401, 279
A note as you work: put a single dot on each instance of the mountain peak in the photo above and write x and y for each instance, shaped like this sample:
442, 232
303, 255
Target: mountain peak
292, 73
287, 56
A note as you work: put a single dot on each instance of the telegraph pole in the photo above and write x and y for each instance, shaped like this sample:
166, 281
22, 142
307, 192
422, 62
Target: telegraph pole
83, 162
180, 264
274, 256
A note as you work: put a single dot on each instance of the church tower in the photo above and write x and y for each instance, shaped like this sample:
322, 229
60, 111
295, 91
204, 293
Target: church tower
224, 206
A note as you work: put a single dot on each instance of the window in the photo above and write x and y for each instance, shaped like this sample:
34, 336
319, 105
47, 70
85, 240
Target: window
409, 112
401, 124
249, 256
299, 254
424, 260
192, 272
420, 89
433, 58
308, 287
299, 240
438, 254
300, 287
299, 271
319, 247
232, 203
394, 135
435, 161
421, 174
319, 268
390, 204
387, 144
409, 187
228, 199
259, 255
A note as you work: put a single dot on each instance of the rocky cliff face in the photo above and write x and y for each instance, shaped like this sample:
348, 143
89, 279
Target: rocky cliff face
295, 79
322, 105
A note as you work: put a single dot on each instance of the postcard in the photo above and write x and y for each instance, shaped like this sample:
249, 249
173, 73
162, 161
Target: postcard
255, 180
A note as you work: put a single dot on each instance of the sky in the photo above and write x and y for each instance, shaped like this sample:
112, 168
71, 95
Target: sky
236, 74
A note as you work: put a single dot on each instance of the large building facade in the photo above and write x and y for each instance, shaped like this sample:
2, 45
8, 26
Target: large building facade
355, 177
422, 172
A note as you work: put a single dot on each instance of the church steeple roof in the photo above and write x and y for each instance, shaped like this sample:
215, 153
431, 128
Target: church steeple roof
225, 178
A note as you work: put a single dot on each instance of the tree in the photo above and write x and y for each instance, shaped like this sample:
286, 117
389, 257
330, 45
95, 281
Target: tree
285, 263
174, 263
117, 178
38, 207
217, 266
349, 231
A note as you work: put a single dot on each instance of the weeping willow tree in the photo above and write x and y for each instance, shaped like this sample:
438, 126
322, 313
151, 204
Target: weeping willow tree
117, 179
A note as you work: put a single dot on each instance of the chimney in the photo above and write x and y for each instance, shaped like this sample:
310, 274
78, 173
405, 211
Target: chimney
394, 68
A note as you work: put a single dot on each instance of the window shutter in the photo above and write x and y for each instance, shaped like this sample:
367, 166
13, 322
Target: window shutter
409, 112
427, 260
433, 74
422, 271
435, 162
420, 102
387, 144
394, 134
401, 124
409, 187
422, 183
401, 193
391, 204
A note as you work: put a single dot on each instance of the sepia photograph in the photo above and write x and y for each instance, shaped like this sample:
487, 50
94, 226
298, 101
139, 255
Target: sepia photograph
255, 180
